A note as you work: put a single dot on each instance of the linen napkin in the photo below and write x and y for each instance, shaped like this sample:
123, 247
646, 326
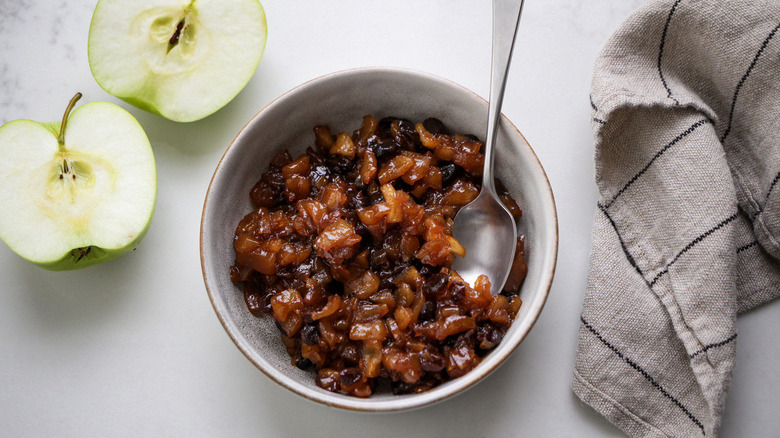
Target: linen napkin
686, 114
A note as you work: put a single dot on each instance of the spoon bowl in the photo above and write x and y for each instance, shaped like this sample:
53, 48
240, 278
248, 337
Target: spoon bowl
487, 230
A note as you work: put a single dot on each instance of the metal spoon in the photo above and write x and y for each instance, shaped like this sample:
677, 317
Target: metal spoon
485, 227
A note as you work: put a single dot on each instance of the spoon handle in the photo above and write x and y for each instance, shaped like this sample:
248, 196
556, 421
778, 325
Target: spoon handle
506, 18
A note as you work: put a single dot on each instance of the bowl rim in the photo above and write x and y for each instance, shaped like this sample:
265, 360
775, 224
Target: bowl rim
450, 388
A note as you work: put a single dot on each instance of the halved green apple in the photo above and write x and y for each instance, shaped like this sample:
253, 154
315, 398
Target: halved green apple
181, 59
77, 192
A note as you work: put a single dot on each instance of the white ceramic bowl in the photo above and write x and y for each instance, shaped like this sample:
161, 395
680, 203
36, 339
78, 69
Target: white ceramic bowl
340, 100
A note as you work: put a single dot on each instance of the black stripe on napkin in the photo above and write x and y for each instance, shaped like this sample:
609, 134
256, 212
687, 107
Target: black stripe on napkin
715, 345
772, 186
693, 243
661, 51
744, 78
655, 157
644, 374
768, 193
747, 246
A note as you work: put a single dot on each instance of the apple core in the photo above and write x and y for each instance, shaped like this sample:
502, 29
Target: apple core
173, 44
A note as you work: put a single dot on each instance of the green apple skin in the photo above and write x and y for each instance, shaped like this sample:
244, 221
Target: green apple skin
216, 54
75, 260
80, 253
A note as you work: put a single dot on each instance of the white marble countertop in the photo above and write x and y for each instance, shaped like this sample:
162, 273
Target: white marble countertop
133, 347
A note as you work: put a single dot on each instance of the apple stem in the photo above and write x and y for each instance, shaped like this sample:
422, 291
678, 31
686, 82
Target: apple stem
61, 136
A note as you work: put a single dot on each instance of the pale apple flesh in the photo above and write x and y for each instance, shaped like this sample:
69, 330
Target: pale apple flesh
76, 204
182, 59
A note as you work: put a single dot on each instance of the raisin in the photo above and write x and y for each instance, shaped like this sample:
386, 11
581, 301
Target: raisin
448, 173
488, 336
350, 376
407, 128
385, 150
435, 283
383, 127
457, 291
401, 387
310, 334
339, 164
274, 179
304, 364
435, 126
405, 135
428, 312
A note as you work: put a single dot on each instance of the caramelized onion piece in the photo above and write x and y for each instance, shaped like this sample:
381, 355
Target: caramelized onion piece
344, 146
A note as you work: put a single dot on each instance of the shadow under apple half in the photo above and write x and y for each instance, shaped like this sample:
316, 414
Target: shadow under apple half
77, 192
